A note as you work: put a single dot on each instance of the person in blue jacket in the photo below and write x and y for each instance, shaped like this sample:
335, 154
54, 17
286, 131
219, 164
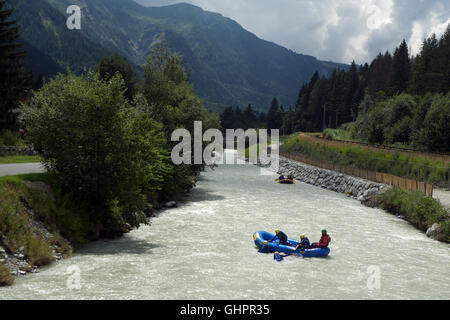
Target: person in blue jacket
304, 243
281, 236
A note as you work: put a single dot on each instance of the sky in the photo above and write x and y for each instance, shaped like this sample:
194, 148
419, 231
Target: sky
334, 30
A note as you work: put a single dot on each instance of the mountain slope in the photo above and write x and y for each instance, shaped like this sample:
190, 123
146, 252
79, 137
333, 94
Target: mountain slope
229, 65
44, 30
40, 63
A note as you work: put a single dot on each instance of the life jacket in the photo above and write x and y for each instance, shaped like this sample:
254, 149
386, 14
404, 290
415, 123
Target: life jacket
324, 241
282, 237
305, 242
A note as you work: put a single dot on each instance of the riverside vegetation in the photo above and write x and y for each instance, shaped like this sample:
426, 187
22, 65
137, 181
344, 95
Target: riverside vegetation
107, 155
412, 167
425, 213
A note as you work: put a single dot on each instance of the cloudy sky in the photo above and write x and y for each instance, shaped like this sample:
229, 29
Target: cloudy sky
336, 30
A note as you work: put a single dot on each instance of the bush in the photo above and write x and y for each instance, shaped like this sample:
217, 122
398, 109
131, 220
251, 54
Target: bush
418, 209
9, 138
38, 251
375, 127
107, 154
6, 279
435, 132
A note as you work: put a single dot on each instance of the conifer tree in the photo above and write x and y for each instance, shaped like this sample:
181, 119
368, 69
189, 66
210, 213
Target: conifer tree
12, 70
273, 119
401, 70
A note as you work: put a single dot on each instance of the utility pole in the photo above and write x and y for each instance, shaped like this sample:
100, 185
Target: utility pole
324, 117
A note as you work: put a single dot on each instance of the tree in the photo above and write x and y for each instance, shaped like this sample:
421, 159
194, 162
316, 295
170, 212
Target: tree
109, 66
401, 70
379, 74
172, 101
12, 70
250, 117
107, 154
435, 132
274, 120
227, 119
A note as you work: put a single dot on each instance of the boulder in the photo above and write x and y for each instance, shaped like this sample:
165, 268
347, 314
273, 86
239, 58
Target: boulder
434, 230
170, 204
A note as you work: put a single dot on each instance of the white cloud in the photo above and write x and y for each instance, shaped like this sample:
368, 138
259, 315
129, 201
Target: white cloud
337, 30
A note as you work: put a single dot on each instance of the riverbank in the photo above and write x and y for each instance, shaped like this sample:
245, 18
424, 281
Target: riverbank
423, 212
26, 243
39, 226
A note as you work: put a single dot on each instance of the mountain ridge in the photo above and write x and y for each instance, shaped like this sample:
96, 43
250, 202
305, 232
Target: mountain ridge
230, 65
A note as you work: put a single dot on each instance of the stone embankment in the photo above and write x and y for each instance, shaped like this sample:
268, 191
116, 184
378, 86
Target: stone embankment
357, 188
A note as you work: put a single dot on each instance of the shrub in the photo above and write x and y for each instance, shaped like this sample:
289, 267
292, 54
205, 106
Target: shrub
107, 154
6, 279
420, 210
9, 138
38, 251
435, 132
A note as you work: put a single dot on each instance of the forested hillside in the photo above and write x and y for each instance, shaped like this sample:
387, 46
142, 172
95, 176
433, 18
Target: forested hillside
228, 65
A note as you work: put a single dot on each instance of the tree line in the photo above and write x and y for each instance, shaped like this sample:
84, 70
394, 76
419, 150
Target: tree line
386, 101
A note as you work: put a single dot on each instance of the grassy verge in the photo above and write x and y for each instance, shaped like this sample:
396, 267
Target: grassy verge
418, 209
15, 225
55, 209
417, 168
30, 197
19, 159
6, 279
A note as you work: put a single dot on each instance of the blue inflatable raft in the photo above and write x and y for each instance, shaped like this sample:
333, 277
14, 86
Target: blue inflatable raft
261, 236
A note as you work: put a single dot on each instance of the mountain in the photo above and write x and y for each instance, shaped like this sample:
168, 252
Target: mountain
229, 65
44, 30
39, 63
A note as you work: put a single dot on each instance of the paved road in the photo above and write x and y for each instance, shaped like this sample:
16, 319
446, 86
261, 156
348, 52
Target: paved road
443, 196
20, 168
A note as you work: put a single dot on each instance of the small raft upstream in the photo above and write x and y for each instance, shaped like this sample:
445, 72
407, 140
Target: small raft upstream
286, 181
274, 246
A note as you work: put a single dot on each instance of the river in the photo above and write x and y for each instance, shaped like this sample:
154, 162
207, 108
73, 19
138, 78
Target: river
204, 250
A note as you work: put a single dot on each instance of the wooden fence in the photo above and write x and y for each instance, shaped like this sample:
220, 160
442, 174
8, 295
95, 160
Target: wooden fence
445, 159
385, 178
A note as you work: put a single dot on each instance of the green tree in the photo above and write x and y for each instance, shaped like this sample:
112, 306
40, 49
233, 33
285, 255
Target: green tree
435, 132
227, 119
401, 70
172, 101
109, 66
12, 72
107, 154
274, 121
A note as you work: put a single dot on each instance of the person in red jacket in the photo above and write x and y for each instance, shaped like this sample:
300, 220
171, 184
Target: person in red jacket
324, 241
